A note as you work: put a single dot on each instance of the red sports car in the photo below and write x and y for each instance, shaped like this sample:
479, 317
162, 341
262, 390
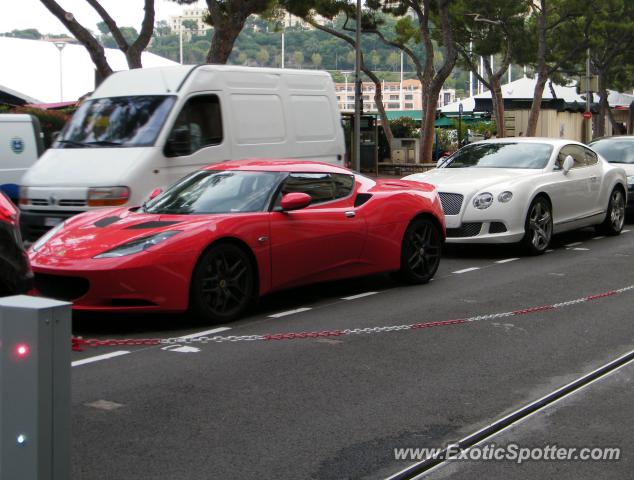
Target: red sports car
223, 236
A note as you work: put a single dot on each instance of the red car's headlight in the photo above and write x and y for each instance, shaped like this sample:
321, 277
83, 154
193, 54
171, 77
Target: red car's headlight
137, 246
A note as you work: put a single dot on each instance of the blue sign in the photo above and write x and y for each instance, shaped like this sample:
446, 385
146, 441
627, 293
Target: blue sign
17, 145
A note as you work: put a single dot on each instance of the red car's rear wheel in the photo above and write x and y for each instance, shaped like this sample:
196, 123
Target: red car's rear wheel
222, 286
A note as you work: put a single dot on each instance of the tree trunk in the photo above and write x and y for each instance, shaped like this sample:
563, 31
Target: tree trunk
429, 124
378, 100
94, 48
536, 106
603, 107
222, 41
498, 107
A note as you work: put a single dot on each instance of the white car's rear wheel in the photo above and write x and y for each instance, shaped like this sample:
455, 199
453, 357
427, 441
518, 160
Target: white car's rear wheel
538, 226
615, 217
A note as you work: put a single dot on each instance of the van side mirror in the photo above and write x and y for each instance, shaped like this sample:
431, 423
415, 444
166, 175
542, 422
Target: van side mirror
569, 162
155, 193
440, 161
179, 142
295, 201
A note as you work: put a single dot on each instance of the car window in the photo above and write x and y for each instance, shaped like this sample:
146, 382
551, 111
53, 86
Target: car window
199, 124
576, 152
591, 157
615, 150
319, 186
343, 184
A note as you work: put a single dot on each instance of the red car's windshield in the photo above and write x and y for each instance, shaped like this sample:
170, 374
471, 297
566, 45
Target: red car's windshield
215, 191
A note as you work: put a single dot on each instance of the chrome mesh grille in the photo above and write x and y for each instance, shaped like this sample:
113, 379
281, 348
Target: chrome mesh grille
451, 202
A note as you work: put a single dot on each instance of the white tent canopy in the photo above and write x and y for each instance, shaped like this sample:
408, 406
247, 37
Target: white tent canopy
522, 88
32, 68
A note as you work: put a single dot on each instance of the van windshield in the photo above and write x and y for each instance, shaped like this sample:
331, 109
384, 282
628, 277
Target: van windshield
116, 122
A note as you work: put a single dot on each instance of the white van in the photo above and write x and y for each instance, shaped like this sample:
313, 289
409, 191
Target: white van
146, 128
20, 146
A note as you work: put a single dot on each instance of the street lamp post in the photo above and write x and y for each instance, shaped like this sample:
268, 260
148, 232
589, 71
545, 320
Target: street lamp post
460, 110
180, 39
60, 46
356, 162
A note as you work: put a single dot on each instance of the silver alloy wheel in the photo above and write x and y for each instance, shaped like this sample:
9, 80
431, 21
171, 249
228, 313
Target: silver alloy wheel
617, 212
540, 225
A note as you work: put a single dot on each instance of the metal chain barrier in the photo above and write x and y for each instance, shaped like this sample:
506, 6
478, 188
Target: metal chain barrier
78, 343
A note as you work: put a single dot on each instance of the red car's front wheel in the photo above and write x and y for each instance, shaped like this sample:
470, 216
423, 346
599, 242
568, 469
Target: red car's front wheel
223, 284
420, 252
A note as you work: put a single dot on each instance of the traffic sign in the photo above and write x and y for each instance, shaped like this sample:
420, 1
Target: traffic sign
587, 115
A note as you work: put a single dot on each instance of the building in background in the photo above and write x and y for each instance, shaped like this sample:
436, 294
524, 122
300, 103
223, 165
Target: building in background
192, 14
409, 98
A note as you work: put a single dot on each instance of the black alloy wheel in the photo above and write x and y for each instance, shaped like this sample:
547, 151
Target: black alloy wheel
223, 284
420, 251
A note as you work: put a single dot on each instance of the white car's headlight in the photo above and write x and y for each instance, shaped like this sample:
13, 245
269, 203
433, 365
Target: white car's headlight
137, 246
630, 180
483, 200
43, 240
505, 197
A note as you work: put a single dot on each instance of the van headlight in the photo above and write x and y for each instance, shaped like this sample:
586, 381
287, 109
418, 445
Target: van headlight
43, 240
108, 196
483, 200
137, 246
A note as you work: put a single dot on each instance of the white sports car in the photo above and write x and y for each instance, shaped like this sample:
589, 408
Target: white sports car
525, 189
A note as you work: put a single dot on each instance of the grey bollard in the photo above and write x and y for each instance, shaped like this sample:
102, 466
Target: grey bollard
34, 388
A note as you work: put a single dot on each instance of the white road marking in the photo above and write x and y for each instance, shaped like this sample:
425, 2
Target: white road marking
598, 238
206, 332
465, 270
98, 358
181, 349
506, 260
625, 231
360, 295
580, 249
289, 312
573, 244
550, 250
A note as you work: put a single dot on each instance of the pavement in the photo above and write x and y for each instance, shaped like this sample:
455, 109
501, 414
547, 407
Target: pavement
598, 416
336, 407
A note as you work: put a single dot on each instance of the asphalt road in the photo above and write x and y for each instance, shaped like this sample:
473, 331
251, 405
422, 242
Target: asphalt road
336, 407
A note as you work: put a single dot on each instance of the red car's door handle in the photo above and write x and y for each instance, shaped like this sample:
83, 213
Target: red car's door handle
350, 214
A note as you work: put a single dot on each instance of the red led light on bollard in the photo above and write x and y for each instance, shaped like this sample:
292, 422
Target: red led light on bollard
22, 350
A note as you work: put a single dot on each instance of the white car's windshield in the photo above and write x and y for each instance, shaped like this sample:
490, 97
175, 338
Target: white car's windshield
116, 122
501, 155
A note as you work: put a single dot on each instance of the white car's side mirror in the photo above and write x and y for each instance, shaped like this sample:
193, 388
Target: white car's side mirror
569, 162
440, 161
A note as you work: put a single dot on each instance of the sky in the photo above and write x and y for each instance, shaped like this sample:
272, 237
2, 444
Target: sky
24, 14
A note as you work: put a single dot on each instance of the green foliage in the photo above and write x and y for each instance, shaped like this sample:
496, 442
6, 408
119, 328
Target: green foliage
405, 127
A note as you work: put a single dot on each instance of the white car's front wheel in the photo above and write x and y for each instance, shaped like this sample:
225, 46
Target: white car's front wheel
538, 226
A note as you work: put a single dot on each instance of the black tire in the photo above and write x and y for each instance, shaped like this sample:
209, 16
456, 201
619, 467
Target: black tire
223, 284
420, 251
538, 226
615, 216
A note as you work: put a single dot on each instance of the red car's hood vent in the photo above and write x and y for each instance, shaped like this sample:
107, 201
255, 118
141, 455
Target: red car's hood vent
151, 224
104, 222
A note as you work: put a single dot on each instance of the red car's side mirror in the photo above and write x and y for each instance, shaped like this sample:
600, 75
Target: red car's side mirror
295, 201
155, 193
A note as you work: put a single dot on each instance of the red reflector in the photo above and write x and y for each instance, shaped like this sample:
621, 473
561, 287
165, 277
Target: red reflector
22, 350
